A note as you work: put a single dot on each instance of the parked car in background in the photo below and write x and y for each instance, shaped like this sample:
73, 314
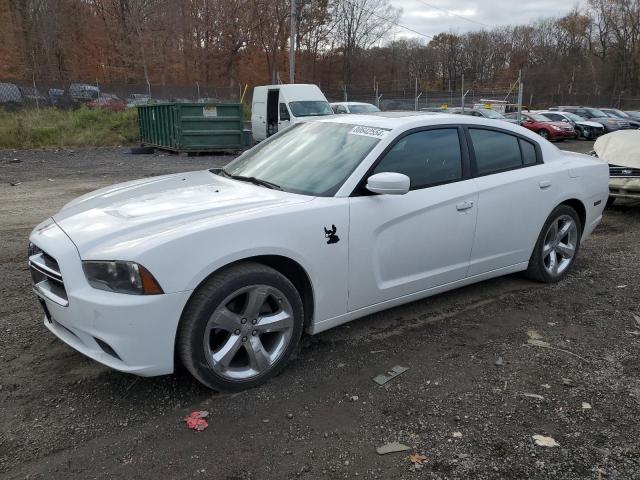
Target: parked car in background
633, 114
32, 97
136, 99
584, 128
10, 96
546, 127
275, 107
108, 101
82, 92
596, 115
323, 223
483, 113
621, 150
616, 113
60, 99
353, 107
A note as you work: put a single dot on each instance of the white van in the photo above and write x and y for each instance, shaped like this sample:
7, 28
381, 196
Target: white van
276, 106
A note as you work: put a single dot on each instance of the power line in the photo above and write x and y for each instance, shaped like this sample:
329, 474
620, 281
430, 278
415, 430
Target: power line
388, 21
449, 12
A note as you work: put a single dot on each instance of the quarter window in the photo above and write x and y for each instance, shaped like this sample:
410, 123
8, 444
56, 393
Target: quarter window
430, 157
528, 152
494, 151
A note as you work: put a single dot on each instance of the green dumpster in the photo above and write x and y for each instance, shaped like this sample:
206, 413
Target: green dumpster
191, 127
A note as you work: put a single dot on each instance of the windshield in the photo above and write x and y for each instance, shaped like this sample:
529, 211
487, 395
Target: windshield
594, 112
363, 108
574, 117
309, 158
538, 117
310, 108
491, 113
617, 113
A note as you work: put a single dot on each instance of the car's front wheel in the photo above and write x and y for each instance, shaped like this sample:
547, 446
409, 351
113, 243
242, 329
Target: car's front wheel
544, 133
557, 246
240, 327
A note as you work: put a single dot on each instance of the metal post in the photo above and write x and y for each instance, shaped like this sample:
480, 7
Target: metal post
292, 44
520, 96
198, 89
462, 94
415, 96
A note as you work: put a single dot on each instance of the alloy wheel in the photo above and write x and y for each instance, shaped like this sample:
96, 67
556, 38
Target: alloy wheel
248, 332
559, 246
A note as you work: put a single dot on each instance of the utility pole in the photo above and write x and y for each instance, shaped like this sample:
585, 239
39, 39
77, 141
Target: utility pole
292, 44
519, 96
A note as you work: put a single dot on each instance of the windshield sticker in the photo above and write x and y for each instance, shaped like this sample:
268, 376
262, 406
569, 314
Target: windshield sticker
368, 131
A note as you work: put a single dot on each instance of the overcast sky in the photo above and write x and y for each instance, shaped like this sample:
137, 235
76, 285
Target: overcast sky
420, 16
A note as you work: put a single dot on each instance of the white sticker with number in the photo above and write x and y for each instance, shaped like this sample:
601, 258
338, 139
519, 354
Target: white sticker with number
369, 131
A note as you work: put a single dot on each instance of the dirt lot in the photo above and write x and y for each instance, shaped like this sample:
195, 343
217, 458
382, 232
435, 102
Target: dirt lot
470, 370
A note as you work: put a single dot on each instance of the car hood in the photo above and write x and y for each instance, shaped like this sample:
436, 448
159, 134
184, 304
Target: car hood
587, 123
619, 148
132, 211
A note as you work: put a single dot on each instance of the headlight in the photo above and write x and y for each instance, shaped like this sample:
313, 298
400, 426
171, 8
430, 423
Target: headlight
121, 277
555, 127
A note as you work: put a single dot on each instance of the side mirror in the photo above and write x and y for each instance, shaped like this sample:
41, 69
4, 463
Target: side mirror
389, 183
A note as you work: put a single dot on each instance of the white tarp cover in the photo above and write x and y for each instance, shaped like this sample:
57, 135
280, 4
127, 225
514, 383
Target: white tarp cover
620, 148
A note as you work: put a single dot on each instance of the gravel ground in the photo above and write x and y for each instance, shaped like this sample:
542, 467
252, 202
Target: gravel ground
465, 403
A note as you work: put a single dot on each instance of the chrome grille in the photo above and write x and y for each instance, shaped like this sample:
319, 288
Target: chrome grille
623, 172
47, 279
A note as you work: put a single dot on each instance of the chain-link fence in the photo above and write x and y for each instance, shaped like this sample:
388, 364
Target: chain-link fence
21, 95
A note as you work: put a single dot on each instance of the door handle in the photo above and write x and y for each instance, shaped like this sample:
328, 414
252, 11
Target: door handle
462, 206
544, 184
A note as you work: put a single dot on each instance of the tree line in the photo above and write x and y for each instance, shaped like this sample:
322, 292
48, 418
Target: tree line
339, 44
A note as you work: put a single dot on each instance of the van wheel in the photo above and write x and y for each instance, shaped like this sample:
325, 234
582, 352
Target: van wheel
241, 327
557, 246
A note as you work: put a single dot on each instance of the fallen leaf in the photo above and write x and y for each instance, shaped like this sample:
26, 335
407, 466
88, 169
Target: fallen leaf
636, 318
634, 332
538, 343
417, 458
621, 286
586, 406
532, 334
545, 385
533, 395
457, 434
545, 441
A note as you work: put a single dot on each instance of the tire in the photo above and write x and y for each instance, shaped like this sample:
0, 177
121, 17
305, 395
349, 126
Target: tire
610, 202
549, 246
544, 133
217, 340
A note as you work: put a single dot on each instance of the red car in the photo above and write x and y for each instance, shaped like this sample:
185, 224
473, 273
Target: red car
108, 102
545, 127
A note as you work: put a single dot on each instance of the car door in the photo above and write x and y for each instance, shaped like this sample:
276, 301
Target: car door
284, 115
403, 244
514, 197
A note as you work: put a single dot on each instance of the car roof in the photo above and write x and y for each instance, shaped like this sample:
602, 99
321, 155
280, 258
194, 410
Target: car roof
350, 103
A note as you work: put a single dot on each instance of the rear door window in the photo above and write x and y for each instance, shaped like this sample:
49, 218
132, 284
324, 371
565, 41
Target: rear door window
494, 151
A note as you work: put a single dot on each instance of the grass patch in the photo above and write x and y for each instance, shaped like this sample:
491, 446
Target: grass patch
49, 127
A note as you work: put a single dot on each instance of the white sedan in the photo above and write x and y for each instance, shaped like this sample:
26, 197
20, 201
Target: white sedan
320, 224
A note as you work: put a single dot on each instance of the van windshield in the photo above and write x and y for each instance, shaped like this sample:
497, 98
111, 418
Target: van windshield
310, 108
308, 158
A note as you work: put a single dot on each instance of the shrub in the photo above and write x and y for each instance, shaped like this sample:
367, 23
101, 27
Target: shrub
84, 127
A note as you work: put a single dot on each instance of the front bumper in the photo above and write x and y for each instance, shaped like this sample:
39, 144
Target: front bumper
130, 333
625, 188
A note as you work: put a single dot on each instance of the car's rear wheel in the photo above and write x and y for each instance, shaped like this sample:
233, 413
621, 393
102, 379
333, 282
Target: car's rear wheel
241, 327
557, 246
544, 133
